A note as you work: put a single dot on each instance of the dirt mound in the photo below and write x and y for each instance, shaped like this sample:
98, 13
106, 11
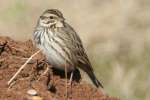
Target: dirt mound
14, 54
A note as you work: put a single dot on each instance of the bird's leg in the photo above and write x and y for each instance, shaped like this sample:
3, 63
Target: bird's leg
50, 82
71, 76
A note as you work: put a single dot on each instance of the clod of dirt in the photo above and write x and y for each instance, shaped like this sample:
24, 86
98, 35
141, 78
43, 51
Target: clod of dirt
36, 98
14, 54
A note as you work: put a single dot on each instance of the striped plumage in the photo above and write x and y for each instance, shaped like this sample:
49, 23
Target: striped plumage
61, 44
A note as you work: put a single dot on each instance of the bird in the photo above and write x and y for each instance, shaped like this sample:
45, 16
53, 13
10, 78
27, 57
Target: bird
61, 44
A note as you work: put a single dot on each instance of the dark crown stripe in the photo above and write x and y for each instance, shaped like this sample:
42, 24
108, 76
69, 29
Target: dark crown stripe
55, 12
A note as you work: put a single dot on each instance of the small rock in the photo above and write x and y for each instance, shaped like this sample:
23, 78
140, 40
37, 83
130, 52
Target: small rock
32, 92
36, 98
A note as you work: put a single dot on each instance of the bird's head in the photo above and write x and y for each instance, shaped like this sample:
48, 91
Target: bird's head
51, 17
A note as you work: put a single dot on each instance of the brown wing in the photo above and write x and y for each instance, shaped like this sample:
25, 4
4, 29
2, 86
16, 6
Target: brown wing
77, 47
81, 57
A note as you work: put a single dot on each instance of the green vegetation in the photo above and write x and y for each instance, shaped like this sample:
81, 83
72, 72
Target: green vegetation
14, 11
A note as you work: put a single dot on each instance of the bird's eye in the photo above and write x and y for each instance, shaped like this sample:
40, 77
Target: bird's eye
51, 17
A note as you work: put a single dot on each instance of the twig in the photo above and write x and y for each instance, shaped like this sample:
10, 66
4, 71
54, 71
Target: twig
30, 62
66, 80
44, 73
22, 67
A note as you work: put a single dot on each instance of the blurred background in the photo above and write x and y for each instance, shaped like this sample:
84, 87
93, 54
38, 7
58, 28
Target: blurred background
115, 33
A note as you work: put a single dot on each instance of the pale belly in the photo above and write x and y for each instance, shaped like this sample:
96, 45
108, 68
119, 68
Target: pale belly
54, 53
55, 59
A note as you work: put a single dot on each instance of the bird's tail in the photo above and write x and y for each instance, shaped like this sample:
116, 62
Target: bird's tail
90, 73
95, 81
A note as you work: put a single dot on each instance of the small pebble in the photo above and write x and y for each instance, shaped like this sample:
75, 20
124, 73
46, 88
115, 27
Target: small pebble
32, 92
36, 98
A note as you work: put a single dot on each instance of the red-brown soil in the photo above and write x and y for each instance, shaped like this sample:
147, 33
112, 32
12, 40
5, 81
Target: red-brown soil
14, 54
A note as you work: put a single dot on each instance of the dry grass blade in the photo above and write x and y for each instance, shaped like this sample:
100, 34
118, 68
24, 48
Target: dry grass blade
22, 67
